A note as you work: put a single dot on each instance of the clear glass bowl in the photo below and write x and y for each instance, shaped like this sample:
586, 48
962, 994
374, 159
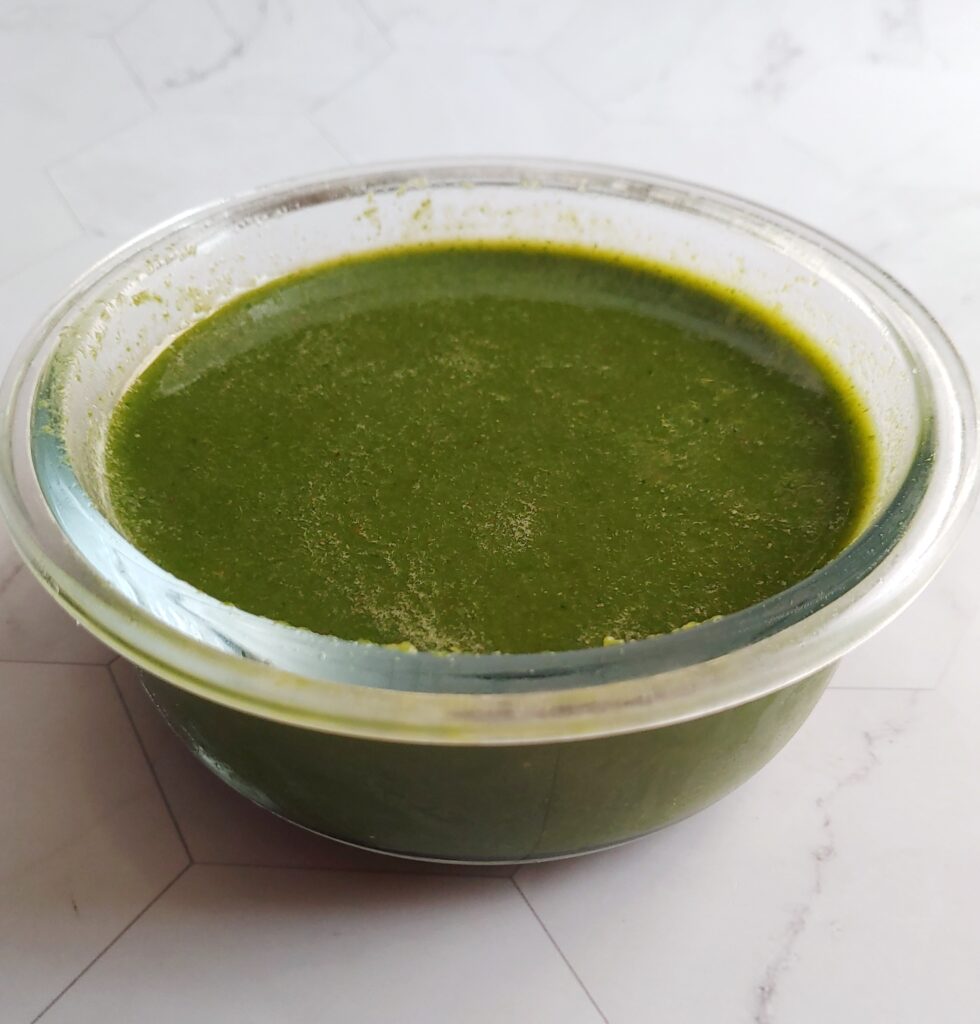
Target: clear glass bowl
229, 680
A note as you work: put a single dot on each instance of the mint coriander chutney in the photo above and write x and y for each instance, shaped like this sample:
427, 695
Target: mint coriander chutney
490, 447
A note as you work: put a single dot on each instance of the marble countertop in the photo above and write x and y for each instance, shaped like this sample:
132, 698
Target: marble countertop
842, 883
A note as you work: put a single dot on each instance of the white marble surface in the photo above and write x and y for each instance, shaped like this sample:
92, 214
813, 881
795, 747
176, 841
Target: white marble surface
843, 882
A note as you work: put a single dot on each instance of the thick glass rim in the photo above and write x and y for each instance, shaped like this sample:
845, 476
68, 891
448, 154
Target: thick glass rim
500, 698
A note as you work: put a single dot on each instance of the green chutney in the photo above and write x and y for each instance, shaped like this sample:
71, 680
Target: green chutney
490, 447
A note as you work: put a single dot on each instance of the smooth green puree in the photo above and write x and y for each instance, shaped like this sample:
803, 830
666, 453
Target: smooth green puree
490, 447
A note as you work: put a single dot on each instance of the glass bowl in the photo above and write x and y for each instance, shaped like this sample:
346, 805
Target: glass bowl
480, 757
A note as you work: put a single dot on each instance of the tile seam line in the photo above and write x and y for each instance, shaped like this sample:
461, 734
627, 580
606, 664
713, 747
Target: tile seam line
88, 234
149, 763
958, 644
69, 209
379, 24
81, 974
131, 71
128, 20
572, 92
58, 164
560, 952
94, 822
319, 102
573, 11
328, 137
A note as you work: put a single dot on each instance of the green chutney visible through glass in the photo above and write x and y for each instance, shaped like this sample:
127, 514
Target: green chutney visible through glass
490, 447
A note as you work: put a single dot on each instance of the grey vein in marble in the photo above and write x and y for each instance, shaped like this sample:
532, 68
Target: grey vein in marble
820, 855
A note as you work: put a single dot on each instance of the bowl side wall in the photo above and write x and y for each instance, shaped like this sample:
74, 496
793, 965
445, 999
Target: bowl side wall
487, 803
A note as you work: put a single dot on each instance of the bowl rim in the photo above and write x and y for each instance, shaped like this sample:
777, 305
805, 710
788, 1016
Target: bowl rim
550, 695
